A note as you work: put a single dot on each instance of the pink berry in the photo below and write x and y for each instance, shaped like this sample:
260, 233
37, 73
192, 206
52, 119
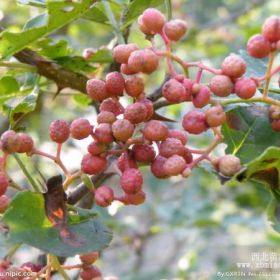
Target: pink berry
59, 131
4, 183
143, 152
136, 112
90, 273
96, 90
178, 134
126, 70
115, 83
195, 122
112, 105
103, 133
80, 129
93, 165
122, 52
131, 181
134, 86
155, 131
125, 162
171, 146
157, 167
187, 155
134, 199
149, 107
104, 196
122, 129
215, 116
173, 91
229, 165
245, 88
89, 258
10, 142
202, 97
271, 28
106, 117
145, 61
233, 66
95, 148
174, 165
143, 27
175, 29
221, 85
188, 84
4, 203
258, 46
153, 19
26, 143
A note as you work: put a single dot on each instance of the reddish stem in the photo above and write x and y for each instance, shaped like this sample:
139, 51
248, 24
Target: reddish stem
204, 67
167, 43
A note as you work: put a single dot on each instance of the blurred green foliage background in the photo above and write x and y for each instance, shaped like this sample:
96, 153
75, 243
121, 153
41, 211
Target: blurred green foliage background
188, 228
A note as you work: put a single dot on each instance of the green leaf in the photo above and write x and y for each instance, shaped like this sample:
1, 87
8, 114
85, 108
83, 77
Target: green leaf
25, 223
37, 21
266, 169
82, 99
25, 105
136, 8
52, 49
74, 63
248, 132
59, 14
255, 67
98, 14
102, 56
8, 85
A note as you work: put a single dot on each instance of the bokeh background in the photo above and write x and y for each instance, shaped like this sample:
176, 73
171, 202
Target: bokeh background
188, 228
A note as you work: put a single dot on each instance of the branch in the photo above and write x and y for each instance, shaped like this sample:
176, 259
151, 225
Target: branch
64, 78
82, 189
